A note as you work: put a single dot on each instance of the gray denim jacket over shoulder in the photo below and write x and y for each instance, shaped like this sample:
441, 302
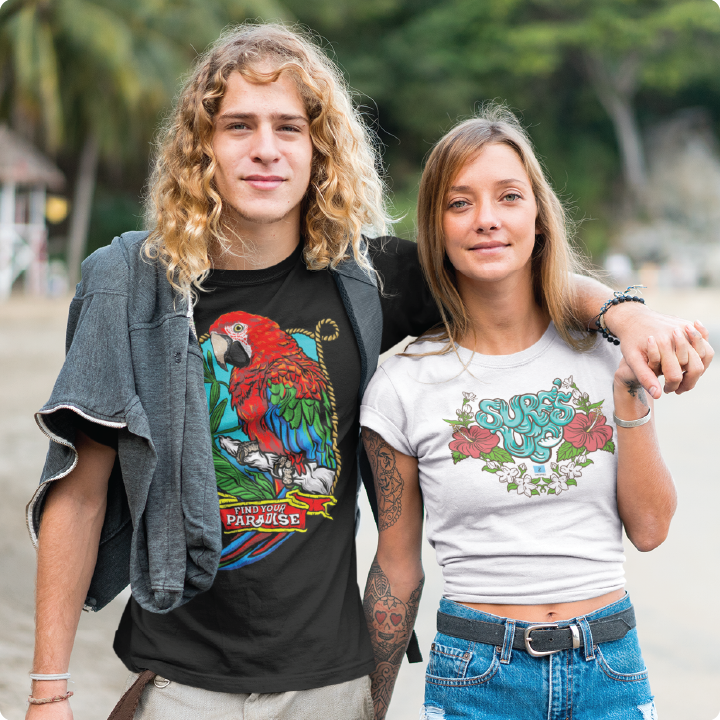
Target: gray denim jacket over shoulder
133, 363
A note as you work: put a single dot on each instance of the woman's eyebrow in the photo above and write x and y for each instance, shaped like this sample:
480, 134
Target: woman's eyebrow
511, 181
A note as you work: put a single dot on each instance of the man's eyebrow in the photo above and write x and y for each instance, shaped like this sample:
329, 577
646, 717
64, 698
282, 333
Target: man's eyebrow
253, 116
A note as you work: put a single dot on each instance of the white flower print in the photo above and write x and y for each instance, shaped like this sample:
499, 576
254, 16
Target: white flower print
492, 464
557, 483
567, 384
522, 468
569, 470
469, 396
524, 486
508, 474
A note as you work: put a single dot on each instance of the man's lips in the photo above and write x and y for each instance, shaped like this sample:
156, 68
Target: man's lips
264, 182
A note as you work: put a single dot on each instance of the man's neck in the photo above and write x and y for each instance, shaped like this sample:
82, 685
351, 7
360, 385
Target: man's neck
254, 246
505, 317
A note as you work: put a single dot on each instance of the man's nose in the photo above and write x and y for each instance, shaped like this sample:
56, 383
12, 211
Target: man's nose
265, 146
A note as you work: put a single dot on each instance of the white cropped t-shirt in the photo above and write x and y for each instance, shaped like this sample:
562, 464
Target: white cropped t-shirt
517, 466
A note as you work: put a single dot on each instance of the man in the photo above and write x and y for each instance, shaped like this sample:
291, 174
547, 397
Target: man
204, 427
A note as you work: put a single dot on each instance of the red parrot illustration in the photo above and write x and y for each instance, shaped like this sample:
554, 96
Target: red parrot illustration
279, 393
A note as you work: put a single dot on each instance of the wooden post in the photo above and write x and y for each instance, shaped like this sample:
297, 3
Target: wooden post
36, 274
7, 237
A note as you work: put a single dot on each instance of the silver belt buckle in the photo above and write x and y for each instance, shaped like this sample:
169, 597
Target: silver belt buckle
528, 640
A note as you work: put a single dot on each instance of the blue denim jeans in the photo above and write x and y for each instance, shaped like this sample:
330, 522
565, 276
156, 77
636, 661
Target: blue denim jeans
472, 680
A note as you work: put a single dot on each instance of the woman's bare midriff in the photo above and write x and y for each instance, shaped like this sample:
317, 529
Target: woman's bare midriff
550, 613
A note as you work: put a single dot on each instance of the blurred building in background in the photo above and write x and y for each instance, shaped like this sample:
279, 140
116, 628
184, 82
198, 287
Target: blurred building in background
26, 175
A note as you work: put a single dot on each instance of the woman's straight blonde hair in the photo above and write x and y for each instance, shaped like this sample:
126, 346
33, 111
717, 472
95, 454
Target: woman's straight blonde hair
553, 258
183, 208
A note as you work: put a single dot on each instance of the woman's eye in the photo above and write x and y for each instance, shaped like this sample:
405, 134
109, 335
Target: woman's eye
457, 204
511, 196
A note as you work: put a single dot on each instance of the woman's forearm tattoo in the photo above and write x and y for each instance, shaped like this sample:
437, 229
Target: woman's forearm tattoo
388, 481
390, 622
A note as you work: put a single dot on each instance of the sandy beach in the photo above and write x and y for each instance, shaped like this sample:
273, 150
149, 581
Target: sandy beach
675, 589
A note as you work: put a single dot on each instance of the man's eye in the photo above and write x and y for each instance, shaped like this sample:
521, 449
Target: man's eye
290, 128
237, 126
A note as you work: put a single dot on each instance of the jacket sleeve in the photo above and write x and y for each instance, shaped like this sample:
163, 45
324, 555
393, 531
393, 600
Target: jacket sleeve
96, 380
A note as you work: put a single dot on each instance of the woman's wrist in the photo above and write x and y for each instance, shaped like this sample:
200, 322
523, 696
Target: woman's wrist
630, 400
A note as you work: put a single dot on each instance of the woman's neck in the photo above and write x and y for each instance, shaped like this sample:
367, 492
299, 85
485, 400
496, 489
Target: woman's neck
504, 316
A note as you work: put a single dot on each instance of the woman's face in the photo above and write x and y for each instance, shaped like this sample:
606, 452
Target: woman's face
489, 219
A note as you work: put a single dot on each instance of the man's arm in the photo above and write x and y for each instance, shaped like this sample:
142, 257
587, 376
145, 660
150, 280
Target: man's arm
684, 353
67, 551
396, 578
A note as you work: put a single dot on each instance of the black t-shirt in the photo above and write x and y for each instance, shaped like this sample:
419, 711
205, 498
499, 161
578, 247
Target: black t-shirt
282, 374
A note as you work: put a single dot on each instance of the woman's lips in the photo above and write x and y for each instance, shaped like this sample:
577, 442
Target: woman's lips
264, 182
488, 246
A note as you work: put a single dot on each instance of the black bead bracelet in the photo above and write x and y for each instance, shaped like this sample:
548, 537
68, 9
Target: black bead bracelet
619, 296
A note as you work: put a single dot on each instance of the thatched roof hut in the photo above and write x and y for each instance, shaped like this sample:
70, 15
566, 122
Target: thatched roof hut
22, 164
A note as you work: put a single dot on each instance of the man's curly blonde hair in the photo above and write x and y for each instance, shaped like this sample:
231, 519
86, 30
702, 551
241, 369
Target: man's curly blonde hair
346, 192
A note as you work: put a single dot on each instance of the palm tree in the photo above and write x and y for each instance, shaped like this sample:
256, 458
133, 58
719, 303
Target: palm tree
92, 76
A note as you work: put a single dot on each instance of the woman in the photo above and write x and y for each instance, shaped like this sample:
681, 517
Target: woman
501, 423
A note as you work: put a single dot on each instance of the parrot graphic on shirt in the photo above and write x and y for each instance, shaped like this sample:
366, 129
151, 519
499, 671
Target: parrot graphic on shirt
281, 399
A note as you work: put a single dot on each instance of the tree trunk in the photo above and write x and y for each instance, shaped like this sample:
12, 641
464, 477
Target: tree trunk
615, 88
82, 206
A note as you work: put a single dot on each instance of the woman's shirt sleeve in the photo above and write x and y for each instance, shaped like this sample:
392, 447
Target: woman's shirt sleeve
382, 411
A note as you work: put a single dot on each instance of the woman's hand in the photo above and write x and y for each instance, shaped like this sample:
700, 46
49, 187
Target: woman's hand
654, 344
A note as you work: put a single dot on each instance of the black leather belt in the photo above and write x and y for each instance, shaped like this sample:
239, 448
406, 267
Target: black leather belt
538, 639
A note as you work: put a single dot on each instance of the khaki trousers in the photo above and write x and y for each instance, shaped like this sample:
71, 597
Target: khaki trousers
166, 700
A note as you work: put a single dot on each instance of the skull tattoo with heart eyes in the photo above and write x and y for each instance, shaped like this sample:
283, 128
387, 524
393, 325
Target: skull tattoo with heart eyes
389, 615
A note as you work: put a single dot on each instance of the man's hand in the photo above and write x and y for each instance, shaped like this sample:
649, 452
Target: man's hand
654, 344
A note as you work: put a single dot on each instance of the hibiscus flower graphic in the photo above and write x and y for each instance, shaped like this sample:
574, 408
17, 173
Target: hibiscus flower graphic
473, 441
589, 431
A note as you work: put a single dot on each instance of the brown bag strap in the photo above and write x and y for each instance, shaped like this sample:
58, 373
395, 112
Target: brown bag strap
127, 704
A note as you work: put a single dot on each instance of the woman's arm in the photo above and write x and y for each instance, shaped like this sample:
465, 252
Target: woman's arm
684, 353
67, 550
646, 494
396, 578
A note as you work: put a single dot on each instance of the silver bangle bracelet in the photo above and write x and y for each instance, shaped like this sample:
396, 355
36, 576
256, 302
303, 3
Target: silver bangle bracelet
55, 676
632, 423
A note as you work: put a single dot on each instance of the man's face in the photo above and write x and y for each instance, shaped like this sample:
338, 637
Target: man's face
263, 150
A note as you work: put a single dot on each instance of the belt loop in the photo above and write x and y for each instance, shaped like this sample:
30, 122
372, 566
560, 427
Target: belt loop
587, 638
508, 642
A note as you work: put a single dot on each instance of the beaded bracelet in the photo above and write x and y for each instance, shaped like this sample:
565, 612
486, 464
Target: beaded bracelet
619, 296
54, 699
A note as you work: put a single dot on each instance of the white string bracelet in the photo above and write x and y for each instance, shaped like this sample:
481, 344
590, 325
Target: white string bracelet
632, 423
56, 676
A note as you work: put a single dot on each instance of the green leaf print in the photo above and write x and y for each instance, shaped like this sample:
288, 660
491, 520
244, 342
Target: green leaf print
551, 491
216, 416
512, 486
214, 394
498, 454
458, 456
571, 482
489, 469
586, 463
609, 446
567, 451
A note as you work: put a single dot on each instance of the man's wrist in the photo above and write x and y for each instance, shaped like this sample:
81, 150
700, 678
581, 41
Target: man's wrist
617, 315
